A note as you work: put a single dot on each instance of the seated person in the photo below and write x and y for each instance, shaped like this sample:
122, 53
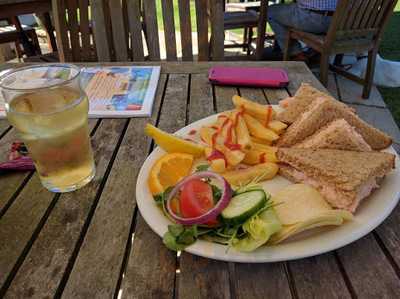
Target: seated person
312, 16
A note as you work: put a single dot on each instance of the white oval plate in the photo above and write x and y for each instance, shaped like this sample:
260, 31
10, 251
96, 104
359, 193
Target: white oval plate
369, 215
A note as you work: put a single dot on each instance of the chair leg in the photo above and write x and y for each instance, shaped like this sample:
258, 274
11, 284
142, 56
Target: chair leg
286, 54
245, 35
369, 76
18, 50
210, 48
338, 59
35, 42
249, 41
324, 66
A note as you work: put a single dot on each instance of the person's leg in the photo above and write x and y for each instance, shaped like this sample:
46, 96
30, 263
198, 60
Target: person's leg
283, 16
277, 15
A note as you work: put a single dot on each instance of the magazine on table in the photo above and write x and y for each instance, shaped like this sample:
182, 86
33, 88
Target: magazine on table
120, 91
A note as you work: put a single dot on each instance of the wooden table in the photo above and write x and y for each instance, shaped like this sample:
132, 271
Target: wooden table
42, 9
93, 243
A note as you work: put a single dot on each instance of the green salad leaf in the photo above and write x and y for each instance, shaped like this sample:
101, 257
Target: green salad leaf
162, 197
202, 167
217, 193
178, 237
259, 229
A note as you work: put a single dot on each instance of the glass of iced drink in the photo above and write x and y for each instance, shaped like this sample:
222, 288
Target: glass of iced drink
47, 106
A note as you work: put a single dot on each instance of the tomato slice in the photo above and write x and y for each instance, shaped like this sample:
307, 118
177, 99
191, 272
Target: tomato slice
196, 199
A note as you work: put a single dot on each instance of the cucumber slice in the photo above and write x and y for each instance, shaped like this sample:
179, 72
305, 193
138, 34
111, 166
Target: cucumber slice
243, 206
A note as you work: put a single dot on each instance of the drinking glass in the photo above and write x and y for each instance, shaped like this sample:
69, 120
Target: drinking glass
49, 109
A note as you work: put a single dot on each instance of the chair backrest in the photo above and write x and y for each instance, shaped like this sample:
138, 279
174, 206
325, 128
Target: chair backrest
74, 40
216, 12
123, 30
186, 17
360, 19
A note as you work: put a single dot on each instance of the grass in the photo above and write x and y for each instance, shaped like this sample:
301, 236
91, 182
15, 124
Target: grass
390, 49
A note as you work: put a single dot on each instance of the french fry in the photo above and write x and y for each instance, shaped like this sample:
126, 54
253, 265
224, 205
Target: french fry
265, 171
218, 164
277, 126
222, 118
229, 133
206, 134
264, 147
242, 133
233, 157
225, 128
260, 141
258, 130
262, 112
256, 156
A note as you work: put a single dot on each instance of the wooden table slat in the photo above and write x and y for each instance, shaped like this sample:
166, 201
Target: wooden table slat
44, 266
318, 275
21, 220
223, 97
150, 271
275, 95
4, 126
104, 247
201, 101
261, 281
369, 271
253, 94
298, 74
151, 267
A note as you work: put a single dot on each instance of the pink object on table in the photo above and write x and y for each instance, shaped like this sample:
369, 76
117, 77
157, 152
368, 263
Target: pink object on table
21, 163
248, 76
18, 159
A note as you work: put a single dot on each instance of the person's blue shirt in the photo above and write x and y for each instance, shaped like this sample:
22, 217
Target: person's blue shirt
318, 4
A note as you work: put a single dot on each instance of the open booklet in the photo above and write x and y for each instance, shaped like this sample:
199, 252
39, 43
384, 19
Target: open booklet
117, 91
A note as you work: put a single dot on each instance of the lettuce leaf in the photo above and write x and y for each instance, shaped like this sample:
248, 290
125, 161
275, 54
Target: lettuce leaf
259, 229
178, 237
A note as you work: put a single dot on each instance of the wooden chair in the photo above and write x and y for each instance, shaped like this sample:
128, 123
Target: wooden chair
356, 26
20, 35
74, 35
185, 25
219, 20
239, 16
116, 30
244, 15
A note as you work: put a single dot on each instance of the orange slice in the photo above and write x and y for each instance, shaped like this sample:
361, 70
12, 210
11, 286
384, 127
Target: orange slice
169, 170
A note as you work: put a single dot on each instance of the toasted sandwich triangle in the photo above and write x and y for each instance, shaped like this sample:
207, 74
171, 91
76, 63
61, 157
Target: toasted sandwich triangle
303, 97
323, 111
338, 134
344, 178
